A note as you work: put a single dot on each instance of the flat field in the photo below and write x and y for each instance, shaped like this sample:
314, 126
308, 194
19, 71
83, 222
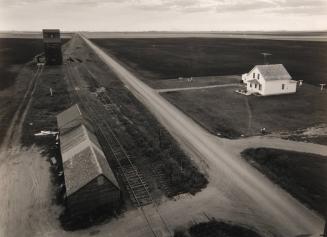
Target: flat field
15, 75
221, 110
282, 35
14, 53
166, 58
303, 175
16, 72
214, 228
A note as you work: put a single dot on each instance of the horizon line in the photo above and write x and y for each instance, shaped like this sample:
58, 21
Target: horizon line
169, 31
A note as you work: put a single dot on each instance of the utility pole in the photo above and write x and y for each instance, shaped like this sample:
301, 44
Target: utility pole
322, 86
160, 135
325, 231
265, 56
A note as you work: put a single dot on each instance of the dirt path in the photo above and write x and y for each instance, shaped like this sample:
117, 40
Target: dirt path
13, 134
195, 88
230, 176
248, 108
25, 186
26, 196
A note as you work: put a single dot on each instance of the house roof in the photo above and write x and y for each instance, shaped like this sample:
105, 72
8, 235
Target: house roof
83, 158
273, 72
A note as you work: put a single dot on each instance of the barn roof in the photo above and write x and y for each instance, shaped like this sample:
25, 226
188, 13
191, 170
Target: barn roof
71, 118
83, 158
273, 72
67, 117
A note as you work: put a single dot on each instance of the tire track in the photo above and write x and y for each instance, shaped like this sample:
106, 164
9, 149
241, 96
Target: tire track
13, 133
248, 108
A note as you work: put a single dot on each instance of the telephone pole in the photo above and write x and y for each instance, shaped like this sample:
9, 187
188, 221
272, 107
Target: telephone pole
265, 56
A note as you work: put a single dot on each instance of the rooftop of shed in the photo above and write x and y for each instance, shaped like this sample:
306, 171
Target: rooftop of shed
83, 158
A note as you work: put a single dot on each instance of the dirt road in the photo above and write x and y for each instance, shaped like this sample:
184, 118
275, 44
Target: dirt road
13, 133
233, 178
26, 207
26, 195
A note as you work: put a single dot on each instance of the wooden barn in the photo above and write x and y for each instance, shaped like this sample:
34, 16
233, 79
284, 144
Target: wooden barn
52, 46
90, 182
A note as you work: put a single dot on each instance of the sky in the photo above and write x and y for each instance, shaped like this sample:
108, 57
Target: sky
164, 15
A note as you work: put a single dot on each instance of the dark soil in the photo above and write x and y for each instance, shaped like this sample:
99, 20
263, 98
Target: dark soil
14, 53
214, 228
303, 175
184, 57
99, 216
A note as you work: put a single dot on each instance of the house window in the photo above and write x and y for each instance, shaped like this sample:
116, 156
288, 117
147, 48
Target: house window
283, 86
253, 75
260, 87
251, 85
255, 86
258, 76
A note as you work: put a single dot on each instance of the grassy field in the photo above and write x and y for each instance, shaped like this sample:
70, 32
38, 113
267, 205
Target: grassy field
16, 71
214, 228
221, 110
185, 57
44, 108
14, 53
15, 74
303, 175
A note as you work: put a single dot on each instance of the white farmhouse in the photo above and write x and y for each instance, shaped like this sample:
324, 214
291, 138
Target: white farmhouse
269, 80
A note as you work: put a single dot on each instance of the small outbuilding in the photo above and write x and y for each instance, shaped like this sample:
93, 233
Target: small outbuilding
269, 80
90, 183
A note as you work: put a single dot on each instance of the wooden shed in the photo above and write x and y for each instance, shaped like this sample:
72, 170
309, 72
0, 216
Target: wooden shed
90, 182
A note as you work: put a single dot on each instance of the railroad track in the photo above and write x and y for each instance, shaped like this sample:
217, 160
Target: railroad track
132, 178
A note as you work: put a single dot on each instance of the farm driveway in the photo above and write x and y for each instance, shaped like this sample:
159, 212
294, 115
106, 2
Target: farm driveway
195, 88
